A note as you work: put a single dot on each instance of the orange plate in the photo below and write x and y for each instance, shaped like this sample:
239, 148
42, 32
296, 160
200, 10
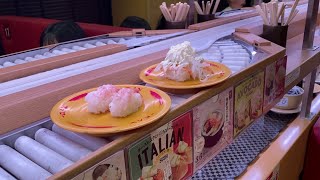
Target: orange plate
71, 113
149, 76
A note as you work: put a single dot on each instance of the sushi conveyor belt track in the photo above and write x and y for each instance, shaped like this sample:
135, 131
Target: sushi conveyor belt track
235, 54
199, 40
43, 148
42, 54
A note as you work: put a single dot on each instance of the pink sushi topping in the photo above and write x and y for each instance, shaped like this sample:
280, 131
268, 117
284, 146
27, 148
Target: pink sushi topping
107, 90
157, 96
99, 100
125, 102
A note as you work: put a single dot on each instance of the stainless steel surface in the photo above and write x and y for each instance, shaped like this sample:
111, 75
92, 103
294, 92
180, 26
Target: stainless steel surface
308, 94
312, 14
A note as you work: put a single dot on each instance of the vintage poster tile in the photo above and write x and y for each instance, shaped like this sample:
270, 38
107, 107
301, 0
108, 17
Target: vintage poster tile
274, 82
166, 153
248, 101
112, 167
213, 127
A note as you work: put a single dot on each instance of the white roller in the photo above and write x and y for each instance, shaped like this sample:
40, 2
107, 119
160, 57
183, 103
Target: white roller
57, 52
87, 45
8, 64
40, 154
233, 50
20, 166
19, 61
235, 63
78, 48
67, 50
111, 42
30, 59
90, 142
99, 43
231, 47
61, 145
48, 54
4, 175
122, 40
39, 56
216, 51
230, 54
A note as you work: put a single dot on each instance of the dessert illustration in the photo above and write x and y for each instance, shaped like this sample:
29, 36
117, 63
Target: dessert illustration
179, 166
269, 84
241, 115
151, 173
185, 151
212, 128
255, 105
106, 171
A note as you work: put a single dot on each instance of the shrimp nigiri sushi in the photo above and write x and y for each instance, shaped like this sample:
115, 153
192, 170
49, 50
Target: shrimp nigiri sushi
99, 100
125, 102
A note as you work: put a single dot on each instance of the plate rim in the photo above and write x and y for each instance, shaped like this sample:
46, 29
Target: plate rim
283, 111
142, 77
101, 131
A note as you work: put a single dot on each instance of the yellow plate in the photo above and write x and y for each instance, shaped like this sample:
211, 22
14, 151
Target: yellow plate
149, 76
71, 113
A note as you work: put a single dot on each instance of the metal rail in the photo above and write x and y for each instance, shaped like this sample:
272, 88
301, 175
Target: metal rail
309, 31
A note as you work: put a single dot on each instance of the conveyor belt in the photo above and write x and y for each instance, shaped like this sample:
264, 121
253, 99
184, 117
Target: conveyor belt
44, 149
44, 53
235, 54
233, 13
198, 39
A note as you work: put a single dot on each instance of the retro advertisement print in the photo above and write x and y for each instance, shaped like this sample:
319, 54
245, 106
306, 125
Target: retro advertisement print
213, 127
165, 154
248, 101
111, 168
274, 82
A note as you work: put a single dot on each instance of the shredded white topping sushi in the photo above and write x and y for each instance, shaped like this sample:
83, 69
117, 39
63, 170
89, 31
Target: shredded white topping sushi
181, 64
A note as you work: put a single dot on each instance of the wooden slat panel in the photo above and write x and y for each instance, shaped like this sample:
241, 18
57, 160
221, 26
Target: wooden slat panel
31, 8
57, 9
7, 7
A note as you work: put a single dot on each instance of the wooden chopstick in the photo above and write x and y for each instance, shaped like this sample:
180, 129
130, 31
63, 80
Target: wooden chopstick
281, 11
264, 18
198, 8
203, 8
216, 6
292, 10
292, 17
207, 7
